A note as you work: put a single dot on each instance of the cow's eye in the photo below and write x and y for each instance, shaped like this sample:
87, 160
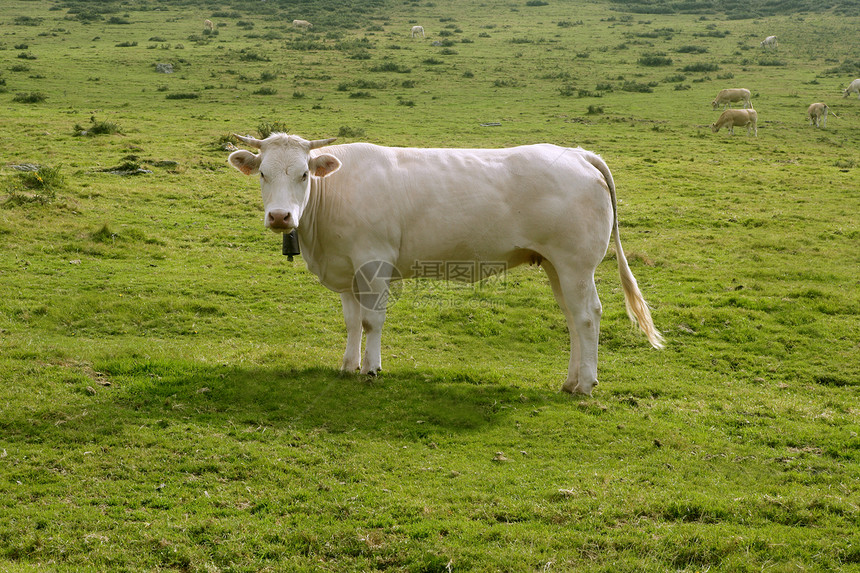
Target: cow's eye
262, 176
305, 176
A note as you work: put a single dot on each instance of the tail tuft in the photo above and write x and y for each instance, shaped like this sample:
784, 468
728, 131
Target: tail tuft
637, 308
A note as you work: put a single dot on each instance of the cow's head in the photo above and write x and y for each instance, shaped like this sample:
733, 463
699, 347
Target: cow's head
285, 167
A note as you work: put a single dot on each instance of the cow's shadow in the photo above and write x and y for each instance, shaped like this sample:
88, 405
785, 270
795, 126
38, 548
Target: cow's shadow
402, 403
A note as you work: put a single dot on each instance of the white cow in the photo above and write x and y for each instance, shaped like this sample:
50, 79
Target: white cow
737, 117
853, 87
726, 97
817, 113
366, 215
304, 24
769, 42
418, 30
208, 25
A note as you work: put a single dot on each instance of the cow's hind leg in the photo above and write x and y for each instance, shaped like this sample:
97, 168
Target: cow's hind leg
352, 317
577, 295
573, 365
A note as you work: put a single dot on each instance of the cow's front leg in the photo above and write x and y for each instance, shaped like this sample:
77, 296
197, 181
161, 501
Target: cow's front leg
370, 286
372, 322
352, 316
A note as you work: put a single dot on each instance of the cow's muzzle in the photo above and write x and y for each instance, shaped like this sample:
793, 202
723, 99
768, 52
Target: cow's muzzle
280, 220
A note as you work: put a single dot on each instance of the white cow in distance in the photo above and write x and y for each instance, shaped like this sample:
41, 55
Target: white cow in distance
853, 87
732, 118
208, 25
817, 113
418, 30
726, 97
304, 24
769, 43
366, 215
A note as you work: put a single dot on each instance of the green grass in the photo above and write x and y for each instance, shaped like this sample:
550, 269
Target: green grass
31, 97
170, 399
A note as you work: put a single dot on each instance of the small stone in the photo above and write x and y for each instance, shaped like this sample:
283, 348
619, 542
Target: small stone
25, 167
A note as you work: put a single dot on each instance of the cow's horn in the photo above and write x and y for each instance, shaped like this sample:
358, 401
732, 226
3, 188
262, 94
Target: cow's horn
248, 140
321, 142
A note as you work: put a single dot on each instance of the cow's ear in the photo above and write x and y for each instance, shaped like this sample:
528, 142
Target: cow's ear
245, 161
324, 164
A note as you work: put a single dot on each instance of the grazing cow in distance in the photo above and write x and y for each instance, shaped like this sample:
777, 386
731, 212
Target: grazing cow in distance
366, 215
208, 25
732, 118
769, 42
304, 24
817, 113
853, 87
418, 30
726, 97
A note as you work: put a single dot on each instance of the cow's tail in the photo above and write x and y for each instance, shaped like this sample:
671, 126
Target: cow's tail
637, 308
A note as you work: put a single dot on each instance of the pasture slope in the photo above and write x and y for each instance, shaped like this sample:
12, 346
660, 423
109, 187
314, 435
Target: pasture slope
169, 396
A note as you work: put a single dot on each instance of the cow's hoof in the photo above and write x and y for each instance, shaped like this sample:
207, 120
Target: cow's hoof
572, 387
350, 367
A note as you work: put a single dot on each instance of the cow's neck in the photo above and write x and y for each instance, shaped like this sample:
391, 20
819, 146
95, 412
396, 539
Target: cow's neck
308, 231
323, 248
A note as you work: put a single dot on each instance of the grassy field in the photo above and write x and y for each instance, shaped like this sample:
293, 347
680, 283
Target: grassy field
170, 395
